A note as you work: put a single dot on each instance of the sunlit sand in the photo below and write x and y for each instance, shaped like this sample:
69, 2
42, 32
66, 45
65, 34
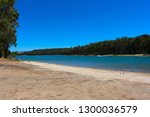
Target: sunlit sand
34, 80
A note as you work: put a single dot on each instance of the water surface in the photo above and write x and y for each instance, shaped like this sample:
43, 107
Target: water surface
127, 63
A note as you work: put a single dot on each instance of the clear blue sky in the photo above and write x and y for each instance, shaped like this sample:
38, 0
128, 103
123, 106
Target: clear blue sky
67, 23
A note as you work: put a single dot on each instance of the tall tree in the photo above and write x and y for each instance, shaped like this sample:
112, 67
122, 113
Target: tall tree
8, 24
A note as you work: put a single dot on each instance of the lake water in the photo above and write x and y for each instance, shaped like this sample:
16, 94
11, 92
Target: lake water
127, 63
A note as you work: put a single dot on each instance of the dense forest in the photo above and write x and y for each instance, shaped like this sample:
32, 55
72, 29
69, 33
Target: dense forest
8, 24
124, 45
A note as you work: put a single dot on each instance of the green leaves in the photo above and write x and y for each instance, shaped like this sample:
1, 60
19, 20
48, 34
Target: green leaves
8, 24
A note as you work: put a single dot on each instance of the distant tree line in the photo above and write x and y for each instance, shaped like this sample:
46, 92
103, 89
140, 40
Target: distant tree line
124, 45
8, 24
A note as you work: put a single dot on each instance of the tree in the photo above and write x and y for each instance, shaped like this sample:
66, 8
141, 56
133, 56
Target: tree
8, 24
124, 45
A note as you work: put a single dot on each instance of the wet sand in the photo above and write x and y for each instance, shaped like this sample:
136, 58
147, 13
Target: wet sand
33, 80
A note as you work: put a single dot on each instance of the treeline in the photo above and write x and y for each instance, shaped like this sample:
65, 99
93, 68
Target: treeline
124, 45
8, 24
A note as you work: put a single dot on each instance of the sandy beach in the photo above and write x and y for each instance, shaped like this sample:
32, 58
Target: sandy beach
34, 80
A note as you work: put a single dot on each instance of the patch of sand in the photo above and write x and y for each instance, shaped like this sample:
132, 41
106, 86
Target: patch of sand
33, 80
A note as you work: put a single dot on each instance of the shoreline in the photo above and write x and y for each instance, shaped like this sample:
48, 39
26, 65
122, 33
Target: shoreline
126, 65
127, 55
95, 73
86, 67
94, 55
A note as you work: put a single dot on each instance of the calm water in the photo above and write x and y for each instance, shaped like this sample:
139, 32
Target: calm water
128, 63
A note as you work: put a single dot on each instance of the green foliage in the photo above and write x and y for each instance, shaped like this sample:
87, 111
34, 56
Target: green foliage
124, 45
12, 54
8, 24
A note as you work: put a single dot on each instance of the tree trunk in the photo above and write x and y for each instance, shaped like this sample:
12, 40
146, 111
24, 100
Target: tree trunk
5, 52
0, 53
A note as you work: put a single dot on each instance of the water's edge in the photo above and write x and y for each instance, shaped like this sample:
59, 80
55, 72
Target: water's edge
119, 63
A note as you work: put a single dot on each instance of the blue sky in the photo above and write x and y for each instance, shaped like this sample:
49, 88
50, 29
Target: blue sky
68, 23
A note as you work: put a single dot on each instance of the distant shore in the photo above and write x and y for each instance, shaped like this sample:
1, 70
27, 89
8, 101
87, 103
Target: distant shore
127, 55
35, 80
100, 55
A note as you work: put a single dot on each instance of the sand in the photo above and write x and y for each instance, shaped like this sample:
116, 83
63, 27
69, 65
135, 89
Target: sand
34, 80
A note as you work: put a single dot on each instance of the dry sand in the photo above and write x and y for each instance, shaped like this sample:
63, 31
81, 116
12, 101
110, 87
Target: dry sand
33, 80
